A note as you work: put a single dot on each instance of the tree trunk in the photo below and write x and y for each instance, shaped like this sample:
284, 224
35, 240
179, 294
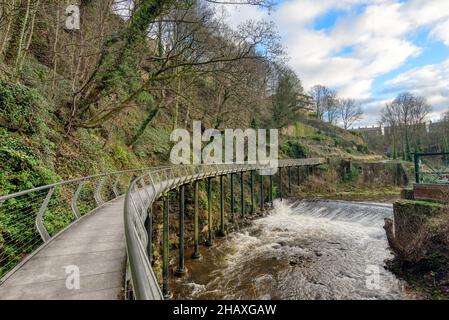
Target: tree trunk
151, 115
11, 15
18, 29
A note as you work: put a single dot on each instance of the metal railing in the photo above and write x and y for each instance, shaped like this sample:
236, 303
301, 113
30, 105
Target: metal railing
142, 193
30, 218
432, 168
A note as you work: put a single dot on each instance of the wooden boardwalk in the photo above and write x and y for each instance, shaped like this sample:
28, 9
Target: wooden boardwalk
95, 244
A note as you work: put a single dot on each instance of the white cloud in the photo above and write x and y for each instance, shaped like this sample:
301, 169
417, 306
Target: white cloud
431, 81
378, 35
426, 12
441, 32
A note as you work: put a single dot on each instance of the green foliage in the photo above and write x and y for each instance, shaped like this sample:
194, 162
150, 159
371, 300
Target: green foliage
20, 107
352, 175
121, 155
145, 99
294, 149
19, 168
303, 130
320, 137
362, 148
285, 99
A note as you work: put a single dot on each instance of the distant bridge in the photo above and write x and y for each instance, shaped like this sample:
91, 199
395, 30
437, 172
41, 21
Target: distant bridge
90, 226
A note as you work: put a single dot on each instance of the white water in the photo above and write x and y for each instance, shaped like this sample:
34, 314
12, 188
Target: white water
305, 250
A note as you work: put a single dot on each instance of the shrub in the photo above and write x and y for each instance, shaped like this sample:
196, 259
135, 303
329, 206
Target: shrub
352, 174
294, 149
19, 107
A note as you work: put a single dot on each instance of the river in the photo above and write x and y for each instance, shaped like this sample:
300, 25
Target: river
301, 250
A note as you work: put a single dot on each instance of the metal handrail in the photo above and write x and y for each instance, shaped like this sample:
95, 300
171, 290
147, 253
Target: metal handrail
26, 211
159, 182
439, 172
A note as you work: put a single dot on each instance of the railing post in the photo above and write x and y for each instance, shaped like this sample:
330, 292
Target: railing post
39, 224
290, 181
221, 232
165, 249
75, 208
280, 183
196, 252
114, 187
252, 190
181, 270
232, 197
209, 212
262, 200
97, 194
271, 190
417, 168
242, 196
149, 229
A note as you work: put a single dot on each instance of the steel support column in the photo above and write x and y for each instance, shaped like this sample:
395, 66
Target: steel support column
242, 196
252, 190
417, 168
232, 197
209, 212
181, 270
222, 232
271, 190
165, 249
196, 251
262, 199
280, 184
298, 173
289, 181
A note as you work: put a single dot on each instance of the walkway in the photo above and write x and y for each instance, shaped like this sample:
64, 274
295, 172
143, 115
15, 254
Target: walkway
96, 244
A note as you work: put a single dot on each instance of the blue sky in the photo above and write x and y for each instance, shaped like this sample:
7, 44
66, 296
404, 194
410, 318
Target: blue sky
369, 50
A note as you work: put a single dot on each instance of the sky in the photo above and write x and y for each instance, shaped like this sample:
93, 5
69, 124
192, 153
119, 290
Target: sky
368, 50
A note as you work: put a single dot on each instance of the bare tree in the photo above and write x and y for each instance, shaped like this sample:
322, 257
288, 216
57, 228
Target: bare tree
319, 93
391, 118
325, 101
203, 44
331, 106
349, 112
19, 30
405, 117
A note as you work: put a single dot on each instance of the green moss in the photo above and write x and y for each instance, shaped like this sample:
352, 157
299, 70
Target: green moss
427, 207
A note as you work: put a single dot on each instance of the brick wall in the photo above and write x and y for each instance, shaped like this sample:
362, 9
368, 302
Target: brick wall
438, 192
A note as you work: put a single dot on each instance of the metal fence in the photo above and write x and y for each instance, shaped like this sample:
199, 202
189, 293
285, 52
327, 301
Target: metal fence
30, 218
143, 191
432, 168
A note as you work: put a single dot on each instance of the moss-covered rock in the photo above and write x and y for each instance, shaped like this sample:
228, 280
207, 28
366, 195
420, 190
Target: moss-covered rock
420, 242
410, 217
